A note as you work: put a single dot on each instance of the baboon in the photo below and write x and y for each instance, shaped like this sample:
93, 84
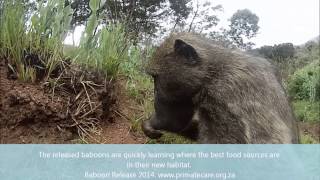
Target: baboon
217, 95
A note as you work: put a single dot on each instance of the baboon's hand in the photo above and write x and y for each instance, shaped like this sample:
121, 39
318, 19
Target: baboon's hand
150, 131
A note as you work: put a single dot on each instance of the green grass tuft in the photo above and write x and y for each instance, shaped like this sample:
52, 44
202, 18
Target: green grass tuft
102, 51
170, 138
307, 111
307, 139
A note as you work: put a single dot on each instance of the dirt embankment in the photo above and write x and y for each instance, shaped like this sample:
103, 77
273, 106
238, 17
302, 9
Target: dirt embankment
28, 115
34, 113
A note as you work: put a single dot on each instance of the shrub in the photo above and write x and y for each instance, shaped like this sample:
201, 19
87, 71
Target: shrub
304, 84
307, 139
139, 85
307, 111
49, 26
112, 49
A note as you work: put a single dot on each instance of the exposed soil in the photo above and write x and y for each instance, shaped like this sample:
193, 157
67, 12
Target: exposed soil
118, 130
30, 114
27, 114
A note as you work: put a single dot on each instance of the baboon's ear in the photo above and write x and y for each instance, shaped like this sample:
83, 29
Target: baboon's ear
186, 50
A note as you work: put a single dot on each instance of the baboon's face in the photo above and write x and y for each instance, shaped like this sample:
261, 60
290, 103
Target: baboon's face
174, 87
175, 72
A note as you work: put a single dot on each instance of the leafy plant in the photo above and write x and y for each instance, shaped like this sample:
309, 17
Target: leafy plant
304, 84
112, 49
48, 29
13, 37
139, 85
307, 111
307, 139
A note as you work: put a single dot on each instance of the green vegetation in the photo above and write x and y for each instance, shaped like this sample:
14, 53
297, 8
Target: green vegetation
33, 48
307, 139
139, 85
169, 138
304, 88
102, 49
304, 83
300, 70
307, 111
41, 38
13, 39
48, 29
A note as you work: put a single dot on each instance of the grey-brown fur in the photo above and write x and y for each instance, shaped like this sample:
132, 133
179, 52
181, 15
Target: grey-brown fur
237, 98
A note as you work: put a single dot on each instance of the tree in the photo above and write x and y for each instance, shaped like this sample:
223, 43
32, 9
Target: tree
145, 19
244, 26
283, 51
266, 51
203, 17
310, 45
278, 51
140, 16
81, 11
180, 12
